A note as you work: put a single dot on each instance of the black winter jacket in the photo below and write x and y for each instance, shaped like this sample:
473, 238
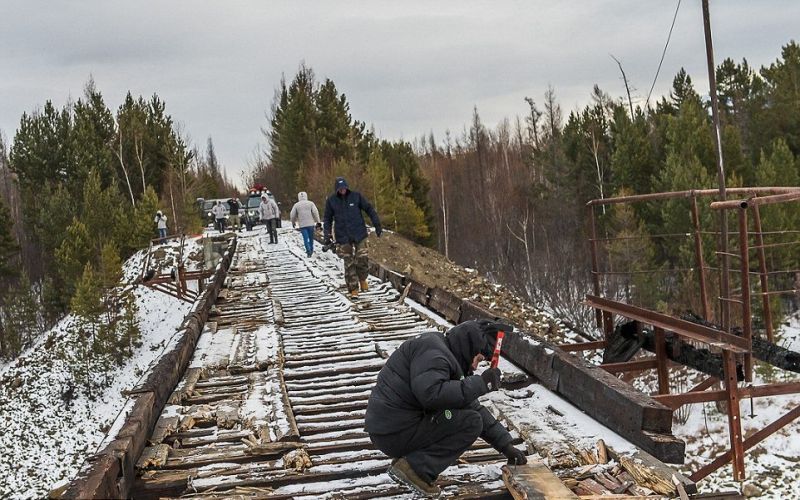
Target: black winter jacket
429, 374
344, 213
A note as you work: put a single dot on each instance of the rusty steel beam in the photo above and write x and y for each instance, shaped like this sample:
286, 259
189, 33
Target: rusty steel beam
698, 394
764, 275
699, 260
661, 358
734, 415
630, 366
747, 318
680, 327
667, 195
595, 263
583, 346
755, 201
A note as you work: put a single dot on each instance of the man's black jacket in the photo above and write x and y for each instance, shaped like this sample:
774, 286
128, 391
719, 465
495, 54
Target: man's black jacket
343, 212
429, 374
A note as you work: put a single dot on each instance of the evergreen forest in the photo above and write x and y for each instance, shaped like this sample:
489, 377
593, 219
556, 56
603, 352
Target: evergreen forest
508, 199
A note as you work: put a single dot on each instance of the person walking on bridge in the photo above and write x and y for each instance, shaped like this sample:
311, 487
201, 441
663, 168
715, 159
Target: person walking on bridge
305, 215
424, 410
269, 216
219, 215
343, 216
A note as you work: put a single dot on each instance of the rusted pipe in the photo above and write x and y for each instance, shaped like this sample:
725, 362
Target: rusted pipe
747, 332
755, 201
700, 261
595, 263
762, 264
743, 192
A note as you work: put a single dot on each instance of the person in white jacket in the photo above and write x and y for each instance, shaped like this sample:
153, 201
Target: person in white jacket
269, 216
161, 222
219, 216
305, 216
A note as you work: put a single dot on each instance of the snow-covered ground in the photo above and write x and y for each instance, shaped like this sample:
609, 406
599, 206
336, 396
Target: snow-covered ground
49, 425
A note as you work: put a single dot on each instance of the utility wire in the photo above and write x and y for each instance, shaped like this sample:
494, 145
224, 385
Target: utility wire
664, 53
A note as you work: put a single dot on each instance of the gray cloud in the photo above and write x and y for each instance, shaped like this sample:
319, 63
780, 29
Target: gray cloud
406, 67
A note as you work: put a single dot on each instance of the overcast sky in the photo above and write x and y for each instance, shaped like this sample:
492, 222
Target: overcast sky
407, 67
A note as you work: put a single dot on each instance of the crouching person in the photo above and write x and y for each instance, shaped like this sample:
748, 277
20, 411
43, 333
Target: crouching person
424, 410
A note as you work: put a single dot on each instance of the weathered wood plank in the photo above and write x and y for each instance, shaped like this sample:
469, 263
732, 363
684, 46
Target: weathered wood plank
534, 481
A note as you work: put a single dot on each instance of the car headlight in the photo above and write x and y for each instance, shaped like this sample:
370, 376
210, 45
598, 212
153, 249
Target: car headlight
209, 214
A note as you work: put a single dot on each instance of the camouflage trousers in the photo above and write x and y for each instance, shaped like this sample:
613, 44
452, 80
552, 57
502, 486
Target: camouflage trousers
356, 262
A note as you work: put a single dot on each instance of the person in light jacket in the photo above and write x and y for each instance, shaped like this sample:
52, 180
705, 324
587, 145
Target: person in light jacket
161, 222
269, 216
305, 216
219, 216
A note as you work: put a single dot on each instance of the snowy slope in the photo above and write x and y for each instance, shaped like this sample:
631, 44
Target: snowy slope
49, 426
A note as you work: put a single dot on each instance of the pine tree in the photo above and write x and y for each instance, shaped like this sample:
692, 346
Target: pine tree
87, 307
9, 269
128, 326
109, 276
632, 251
73, 254
93, 136
20, 317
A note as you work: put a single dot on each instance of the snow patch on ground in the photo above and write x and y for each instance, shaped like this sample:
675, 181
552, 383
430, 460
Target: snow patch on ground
49, 425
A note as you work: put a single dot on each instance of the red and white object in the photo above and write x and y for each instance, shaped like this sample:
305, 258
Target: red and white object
497, 346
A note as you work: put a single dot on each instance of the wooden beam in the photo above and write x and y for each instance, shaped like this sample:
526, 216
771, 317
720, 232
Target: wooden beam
610, 401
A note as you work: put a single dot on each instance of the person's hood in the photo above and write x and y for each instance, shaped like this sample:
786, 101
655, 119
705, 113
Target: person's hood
302, 196
339, 184
159, 213
467, 340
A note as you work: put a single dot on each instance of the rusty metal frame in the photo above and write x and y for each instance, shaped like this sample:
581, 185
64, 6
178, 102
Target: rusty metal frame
731, 346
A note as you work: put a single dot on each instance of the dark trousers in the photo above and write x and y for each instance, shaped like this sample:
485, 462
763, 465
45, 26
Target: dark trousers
221, 225
272, 229
435, 443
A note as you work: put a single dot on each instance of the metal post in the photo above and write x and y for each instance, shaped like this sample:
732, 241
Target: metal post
762, 263
723, 247
595, 264
661, 357
747, 331
699, 260
734, 417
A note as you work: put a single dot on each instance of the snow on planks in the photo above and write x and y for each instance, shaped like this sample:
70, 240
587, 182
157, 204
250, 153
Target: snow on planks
287, 362
273, 404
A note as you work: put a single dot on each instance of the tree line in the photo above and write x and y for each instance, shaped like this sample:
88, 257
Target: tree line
523, 186
79, 187
510, 200
312, 138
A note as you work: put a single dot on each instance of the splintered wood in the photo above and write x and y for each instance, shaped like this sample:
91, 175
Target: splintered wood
273, 404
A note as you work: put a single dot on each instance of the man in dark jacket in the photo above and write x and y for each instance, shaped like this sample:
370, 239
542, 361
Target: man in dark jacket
343, 212
424, 410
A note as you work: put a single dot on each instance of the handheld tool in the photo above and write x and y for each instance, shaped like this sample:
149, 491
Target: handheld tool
497, 346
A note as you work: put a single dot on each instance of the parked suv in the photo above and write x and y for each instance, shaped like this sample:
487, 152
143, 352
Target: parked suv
205, 209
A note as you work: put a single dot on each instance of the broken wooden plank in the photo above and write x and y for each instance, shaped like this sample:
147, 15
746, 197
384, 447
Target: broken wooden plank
153, 457
165, 426
534, 481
